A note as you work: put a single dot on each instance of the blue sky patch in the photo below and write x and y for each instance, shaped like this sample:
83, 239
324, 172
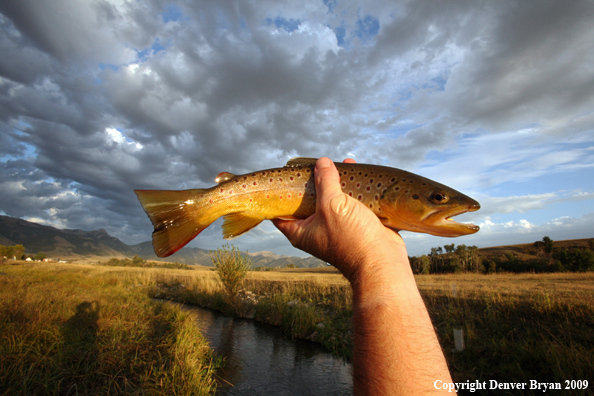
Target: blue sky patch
172, 13
367, 28
289, 25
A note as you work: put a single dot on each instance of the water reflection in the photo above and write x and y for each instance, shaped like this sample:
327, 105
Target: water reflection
260, 360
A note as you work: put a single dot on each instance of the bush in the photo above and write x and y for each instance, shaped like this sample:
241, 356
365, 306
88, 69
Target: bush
232, 269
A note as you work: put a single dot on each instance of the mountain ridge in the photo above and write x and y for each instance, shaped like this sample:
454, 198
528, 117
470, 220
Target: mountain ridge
71, 244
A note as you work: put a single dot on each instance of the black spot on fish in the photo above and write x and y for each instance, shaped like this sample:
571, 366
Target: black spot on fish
415, 196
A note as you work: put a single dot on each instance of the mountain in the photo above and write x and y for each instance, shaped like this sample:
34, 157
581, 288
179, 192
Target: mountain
77, 244
55, 242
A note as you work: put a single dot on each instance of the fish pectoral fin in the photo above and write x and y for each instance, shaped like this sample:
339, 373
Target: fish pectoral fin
300, 161
237, 224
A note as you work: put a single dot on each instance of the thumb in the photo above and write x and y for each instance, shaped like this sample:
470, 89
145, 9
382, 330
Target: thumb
328, 190
327, 181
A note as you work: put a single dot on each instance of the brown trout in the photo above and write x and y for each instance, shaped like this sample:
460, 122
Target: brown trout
400, 199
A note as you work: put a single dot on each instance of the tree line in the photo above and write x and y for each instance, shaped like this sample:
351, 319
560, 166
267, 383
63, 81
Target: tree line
17, 252
544, 257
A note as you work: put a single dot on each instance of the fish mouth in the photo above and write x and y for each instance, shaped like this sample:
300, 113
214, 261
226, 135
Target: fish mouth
449, 227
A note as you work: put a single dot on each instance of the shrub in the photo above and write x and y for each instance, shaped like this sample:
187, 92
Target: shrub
232, 269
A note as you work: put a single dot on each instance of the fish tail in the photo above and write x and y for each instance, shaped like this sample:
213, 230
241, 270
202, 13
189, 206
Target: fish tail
174, 216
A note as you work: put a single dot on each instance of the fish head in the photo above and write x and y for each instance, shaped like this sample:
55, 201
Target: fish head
414, 203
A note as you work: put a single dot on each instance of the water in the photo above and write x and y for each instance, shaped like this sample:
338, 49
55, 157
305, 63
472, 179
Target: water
260, 360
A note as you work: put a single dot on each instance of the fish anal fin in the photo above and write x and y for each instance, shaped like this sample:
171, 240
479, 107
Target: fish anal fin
174, 216
224, 176
236, 224
300, 161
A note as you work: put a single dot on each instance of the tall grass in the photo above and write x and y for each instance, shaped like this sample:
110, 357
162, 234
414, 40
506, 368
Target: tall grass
82, 330
517, 327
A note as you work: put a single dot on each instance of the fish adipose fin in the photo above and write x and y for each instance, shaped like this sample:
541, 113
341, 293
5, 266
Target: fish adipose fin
237, 224
174, 217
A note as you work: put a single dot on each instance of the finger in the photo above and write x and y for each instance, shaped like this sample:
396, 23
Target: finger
349, 161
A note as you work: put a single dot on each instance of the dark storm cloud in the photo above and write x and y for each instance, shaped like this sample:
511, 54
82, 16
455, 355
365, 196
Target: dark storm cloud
98, 98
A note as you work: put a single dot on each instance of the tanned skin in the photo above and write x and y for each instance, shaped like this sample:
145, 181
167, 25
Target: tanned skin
396, 350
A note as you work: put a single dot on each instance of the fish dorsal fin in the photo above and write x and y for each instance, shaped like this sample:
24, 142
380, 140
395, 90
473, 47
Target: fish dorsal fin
300, 161
224, 176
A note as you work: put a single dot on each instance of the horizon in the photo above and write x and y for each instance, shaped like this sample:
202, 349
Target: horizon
306, 256
494, 100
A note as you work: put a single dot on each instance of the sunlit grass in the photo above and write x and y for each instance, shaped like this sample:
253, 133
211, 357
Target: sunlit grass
516, 327
70, 329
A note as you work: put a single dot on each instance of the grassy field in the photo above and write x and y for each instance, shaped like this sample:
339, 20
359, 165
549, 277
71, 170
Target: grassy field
517, 328
81, 330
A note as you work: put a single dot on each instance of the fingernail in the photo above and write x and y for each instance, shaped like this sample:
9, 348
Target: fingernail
323, 162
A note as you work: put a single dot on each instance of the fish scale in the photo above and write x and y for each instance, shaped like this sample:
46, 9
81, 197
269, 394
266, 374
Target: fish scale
402, 200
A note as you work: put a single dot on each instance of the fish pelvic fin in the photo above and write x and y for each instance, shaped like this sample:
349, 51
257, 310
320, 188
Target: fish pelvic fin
236, 224
174, 216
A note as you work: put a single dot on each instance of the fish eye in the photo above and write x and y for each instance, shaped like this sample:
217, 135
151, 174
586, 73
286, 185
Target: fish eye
439, 198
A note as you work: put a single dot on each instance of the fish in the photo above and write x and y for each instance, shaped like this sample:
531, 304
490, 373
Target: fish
402, 200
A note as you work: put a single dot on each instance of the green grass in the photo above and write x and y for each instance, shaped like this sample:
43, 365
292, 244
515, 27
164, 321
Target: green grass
74, 330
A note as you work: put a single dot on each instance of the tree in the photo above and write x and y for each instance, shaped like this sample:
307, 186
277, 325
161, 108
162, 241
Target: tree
15, 251
19, 252
39, 256
547, 245
449, 248
232, 268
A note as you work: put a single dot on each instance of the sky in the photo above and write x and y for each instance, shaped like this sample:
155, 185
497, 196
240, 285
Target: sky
492, 98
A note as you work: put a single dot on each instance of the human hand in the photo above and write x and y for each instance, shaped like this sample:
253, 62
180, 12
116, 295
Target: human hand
343, 231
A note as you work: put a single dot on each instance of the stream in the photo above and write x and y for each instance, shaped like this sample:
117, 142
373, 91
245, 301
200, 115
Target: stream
260, 360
